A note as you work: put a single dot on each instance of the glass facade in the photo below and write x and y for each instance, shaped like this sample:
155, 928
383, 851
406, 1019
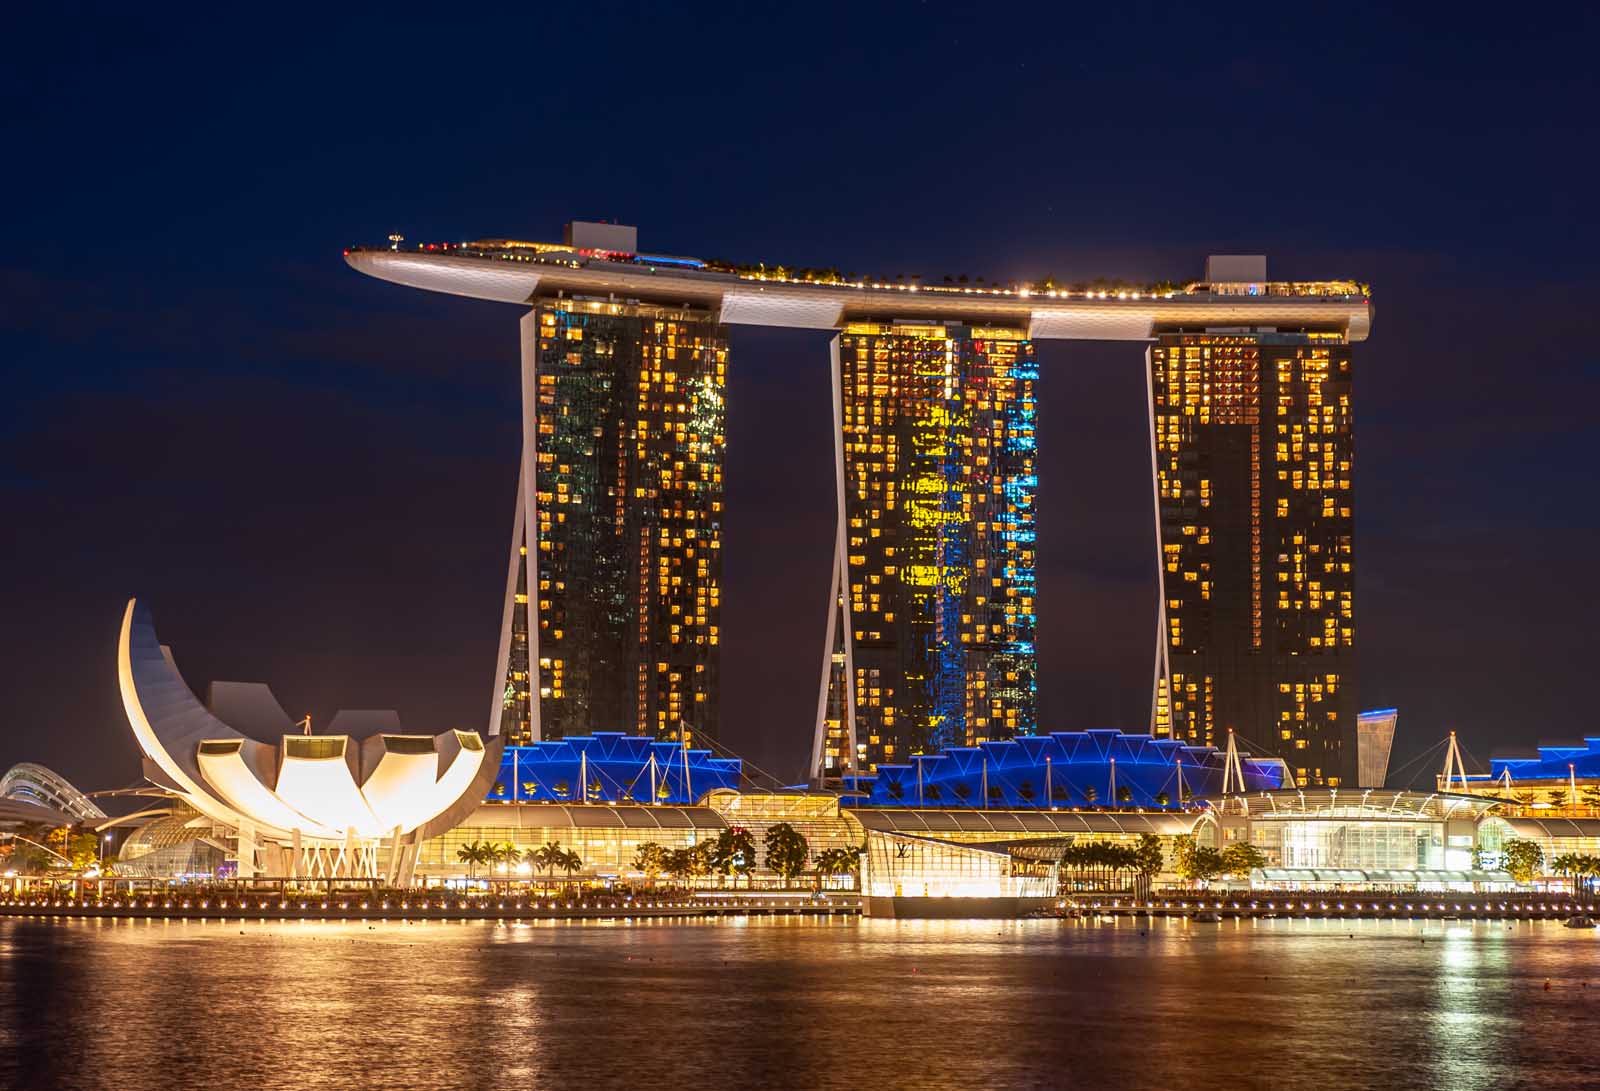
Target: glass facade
819, 818
1322, 843
1374, 741
899, 866
629, 427
1252, 449
605, 838
939, 474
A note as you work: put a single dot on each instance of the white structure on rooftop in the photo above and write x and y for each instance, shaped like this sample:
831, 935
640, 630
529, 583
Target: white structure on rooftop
299, 805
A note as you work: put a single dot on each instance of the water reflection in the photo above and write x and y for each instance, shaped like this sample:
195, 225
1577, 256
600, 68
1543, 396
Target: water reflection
820, 1004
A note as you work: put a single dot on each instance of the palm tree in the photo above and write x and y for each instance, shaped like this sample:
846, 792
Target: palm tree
548, 857
838, 861
569, 863
504, 853
472, 854
1589, 868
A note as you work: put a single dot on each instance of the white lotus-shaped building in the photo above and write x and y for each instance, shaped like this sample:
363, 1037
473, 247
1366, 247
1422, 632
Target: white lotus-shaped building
330, 800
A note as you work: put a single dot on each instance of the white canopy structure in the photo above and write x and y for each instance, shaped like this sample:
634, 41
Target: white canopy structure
317, 805
30, 783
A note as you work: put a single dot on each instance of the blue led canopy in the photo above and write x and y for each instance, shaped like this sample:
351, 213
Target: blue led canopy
1551, 764
619, 768
1064, 769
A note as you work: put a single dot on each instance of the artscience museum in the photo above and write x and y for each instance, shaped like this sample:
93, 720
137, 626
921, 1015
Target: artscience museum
298, 805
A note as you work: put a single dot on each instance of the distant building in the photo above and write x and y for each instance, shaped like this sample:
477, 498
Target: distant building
1253, 463
1559, 778
28, 784
1374, 741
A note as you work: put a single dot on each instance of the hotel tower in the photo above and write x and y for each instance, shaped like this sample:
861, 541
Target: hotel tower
1252, 454
930, 631
615, 584
614, 587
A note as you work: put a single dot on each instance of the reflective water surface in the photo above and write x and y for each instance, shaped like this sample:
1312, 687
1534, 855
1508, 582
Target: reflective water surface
797, 1003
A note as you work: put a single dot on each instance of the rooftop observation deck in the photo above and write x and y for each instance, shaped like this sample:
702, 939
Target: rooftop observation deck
508, 271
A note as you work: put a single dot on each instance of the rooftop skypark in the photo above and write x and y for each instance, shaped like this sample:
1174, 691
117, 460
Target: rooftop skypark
563, 255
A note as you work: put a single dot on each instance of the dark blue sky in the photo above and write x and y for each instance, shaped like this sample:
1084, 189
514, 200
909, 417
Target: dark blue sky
310, 474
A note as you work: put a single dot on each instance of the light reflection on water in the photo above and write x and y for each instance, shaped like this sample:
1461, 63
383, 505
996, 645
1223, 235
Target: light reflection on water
794, 1002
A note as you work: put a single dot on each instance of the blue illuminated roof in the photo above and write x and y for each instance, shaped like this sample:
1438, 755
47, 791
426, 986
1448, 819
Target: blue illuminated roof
1064, 768
619, 767
1552, 763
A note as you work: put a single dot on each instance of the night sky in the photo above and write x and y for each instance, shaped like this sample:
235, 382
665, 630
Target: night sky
310, 474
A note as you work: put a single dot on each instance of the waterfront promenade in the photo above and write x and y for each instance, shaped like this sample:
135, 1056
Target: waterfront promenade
1419, 905
427, 905
348, 904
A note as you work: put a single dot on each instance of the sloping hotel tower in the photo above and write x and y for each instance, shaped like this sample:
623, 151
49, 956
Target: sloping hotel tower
614, 623
930, 631
614, 583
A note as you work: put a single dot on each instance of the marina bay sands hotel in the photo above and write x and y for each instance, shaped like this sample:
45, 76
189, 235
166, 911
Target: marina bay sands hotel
614, 583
